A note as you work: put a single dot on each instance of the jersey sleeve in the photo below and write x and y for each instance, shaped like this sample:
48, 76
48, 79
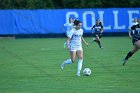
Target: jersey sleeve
70, 33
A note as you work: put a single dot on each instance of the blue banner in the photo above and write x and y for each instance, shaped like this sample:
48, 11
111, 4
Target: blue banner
51, 21
6, 22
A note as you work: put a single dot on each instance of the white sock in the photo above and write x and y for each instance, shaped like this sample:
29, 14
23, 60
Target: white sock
79, 65
67, 62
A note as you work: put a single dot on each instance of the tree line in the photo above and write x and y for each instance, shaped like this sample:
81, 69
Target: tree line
66, 4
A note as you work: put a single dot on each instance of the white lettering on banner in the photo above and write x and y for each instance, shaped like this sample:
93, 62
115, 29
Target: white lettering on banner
85, 19
116, 21
101, 17
130, 14
68, 14
102, 20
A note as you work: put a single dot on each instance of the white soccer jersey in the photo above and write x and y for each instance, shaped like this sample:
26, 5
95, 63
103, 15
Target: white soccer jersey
75, 36
68, 26
135, 23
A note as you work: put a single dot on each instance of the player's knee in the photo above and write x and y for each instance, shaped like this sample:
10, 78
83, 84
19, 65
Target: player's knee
81, 59
73, 60
137, 44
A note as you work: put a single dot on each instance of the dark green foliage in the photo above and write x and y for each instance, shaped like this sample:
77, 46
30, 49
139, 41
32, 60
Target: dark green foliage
60, 4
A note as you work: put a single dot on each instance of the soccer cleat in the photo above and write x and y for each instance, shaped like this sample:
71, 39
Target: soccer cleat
62, 66
78, 74
101, 47
124, 61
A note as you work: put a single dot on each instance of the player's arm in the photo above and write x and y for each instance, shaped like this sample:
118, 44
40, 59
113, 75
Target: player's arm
92, 29
69, 36
102, 28
68, 43
129, 33
63, 27
83, 40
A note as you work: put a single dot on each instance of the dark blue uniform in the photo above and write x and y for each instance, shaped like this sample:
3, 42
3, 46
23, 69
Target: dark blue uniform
98, 29
136, 33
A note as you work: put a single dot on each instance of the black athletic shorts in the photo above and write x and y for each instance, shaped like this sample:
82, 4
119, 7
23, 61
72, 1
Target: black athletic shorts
135, 38
98, 34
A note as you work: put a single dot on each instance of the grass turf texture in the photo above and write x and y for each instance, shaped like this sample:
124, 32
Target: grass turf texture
33, 66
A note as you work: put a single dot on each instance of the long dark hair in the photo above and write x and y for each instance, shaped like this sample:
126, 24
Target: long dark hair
76, 22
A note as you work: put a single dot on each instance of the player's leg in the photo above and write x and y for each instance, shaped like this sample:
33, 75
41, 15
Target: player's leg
129, 54
137, 44
94, 39
80, 61
73, 56
98, 41
69, 61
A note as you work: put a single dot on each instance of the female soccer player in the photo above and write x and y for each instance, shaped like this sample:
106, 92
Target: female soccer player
74, 45
135, 22
135, 40
68, 26
98, 30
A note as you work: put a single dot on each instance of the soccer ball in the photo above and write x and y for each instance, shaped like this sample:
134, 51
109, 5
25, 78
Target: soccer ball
86, 71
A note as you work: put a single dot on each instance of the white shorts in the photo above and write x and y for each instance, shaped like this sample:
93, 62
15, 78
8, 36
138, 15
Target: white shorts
76, 48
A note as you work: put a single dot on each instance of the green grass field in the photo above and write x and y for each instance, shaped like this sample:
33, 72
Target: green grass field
33, 66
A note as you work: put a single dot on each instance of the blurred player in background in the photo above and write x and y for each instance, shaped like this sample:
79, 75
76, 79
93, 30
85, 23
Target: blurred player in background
135, 22
68, 26
131, 32
135, 36
97, 30
74, 45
